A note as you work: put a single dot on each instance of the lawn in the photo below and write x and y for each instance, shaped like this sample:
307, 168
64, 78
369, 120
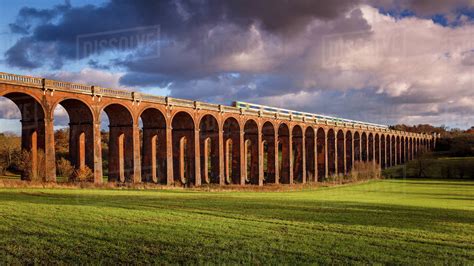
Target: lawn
388, 221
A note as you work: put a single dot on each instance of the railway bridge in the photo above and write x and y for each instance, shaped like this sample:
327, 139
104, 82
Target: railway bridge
175, 141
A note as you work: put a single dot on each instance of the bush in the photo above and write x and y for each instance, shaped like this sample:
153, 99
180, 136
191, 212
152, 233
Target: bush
2, 169
365, 171
360, 171
84, 174
64, 168
24, 164
3, 166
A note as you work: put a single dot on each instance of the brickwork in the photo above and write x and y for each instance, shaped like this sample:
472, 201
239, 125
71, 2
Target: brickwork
194, 143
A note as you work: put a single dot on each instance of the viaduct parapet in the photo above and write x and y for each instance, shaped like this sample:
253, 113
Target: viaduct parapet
190, 142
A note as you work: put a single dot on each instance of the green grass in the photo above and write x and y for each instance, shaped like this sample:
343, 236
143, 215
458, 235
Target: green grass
388, 221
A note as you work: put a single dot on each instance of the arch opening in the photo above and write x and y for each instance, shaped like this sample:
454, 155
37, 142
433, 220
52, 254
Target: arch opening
232, 151
297, 158
251, 152
377, 149
364, 148
153, 143
209, 148
402, 150
268, 136
370, 151
332, 163
393, 154
74, 140
284, 153
410, 155
119, 161
407, 149
340, 152
33, 139
183, 149
398, 151
321, 153
383, 151
310, 154
349, 151
357, 147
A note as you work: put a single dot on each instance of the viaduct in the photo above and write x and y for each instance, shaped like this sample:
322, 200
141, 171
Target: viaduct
189, 142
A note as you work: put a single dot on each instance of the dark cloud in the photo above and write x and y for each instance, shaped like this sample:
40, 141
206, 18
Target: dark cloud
184, 21
217, 50
180, 21
19, 54
97, 65
29, 17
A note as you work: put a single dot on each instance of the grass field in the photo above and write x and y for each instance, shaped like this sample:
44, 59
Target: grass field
387, 221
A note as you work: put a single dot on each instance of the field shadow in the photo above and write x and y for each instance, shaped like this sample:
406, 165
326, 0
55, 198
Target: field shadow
285, 210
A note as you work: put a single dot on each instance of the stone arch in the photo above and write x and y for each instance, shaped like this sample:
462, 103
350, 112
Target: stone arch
321, 155
120, 145
410, 154
331, 147
393, 153
183, 143
418, 151
383, 151
153, 151
407, 148
402, 149
357, 147
209, 148
81, 133
340, 141
284, 153
251, 145
33, 134
297, 145
232, 151
310, 153
370, 149
377, 149
268, 138
399, 152
349, 151
364, 148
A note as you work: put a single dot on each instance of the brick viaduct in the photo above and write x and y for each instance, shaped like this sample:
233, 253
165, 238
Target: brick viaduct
181, 141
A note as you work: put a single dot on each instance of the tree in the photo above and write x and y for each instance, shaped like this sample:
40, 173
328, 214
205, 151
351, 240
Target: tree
64, 168
61, 142
422, 165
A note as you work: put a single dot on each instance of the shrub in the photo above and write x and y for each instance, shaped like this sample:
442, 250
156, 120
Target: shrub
360, 171
41, 167
64, 168
365, 171
2, 168
24, 164
83, 174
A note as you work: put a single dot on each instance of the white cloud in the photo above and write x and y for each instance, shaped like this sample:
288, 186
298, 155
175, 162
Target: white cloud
91, 77
416, 65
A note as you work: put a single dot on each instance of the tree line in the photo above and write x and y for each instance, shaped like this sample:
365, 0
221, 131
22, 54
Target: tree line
454, 142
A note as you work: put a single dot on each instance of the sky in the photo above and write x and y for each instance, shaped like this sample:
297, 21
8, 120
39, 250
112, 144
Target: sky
385, 61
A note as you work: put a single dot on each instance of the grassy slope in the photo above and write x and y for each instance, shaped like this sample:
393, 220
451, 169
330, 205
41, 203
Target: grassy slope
437, 167
380, 221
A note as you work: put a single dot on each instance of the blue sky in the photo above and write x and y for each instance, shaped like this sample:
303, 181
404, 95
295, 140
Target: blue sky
399, 61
